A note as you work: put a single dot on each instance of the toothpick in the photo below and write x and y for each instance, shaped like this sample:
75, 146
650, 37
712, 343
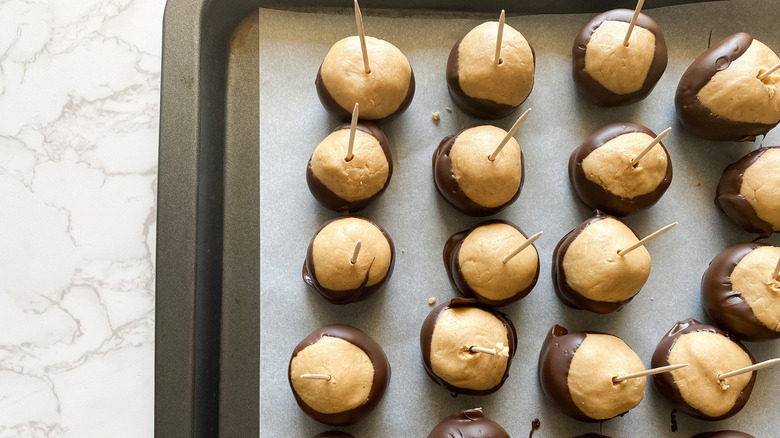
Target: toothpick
362, 35
642, 242
352, 129
766, 74
522, 246
649, 147
509, 135
758, 366
500, 35
315, 376
650, 372
633, 21
491, 351
776, 274
355, 253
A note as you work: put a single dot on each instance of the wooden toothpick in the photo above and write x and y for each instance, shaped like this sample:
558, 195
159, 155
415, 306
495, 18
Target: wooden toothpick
501, 20
522, 246
355, 253
642, 242
315, 376
633, 21
490, 351
509, 135
776, 274
352, 129
650, 372
656, 140
362, 35
766, 74
758, 366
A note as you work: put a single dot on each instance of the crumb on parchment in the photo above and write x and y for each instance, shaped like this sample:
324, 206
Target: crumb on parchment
449, 110
432, 300
436, 116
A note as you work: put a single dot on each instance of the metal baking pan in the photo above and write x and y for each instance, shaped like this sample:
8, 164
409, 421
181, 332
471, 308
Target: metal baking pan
207, 321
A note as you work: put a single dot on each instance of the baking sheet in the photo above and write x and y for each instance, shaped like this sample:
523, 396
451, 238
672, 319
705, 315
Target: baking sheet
292, 123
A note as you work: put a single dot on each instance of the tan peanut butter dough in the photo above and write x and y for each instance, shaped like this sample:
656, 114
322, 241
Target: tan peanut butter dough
752, 278
458, 329
480, 262
596, 361
510, 81
619, 69
610, 166
333, 248
359, 178
709, 355
761, 186
595, 270
351, 375
737, 94
487, 183
379, 93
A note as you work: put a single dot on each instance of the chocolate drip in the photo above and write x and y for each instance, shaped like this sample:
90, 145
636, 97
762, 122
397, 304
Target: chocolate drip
724, 434
345, 296
729, 199
693, 114
375, 355
535, 425
470, 423
597, 197
590, 88
426, 334
665, 383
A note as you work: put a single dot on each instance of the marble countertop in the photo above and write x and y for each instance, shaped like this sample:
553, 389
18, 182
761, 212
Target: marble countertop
79, 116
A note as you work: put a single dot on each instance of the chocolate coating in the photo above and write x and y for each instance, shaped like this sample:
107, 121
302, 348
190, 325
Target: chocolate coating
426, 334
729, 199
665, 384
727, 307
569, 296
483, 108
449, 189
597, 197
333, 434
344, 114
590, 88
724, 434
345, 296
375, 355
452, 264
332, 201
469, 423
693, 114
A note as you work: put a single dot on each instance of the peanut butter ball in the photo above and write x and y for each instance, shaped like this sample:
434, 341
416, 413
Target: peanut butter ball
589, 274
696, 389
576, 371
749, 191
353, 374
465, 176
720, 96
474, 262
349, 184
382, 94
609, 73
328, 268
469, 423
602, 175
448, 339
483, 88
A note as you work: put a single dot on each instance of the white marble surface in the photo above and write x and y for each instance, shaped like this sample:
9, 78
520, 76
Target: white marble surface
79, 114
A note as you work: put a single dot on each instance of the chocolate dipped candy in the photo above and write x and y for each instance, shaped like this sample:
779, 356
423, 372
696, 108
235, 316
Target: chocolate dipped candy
329, 267
609, 73
749, 191
349, 184
740, 293
480, 86
475, 263
589, 274
603, 176
696, 389
467, 347
720, 97
469, 423
333, 434
723, 434
382, 94
465, 176
338, 374
576, 371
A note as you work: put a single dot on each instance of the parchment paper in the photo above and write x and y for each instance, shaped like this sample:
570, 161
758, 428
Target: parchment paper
292, 123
